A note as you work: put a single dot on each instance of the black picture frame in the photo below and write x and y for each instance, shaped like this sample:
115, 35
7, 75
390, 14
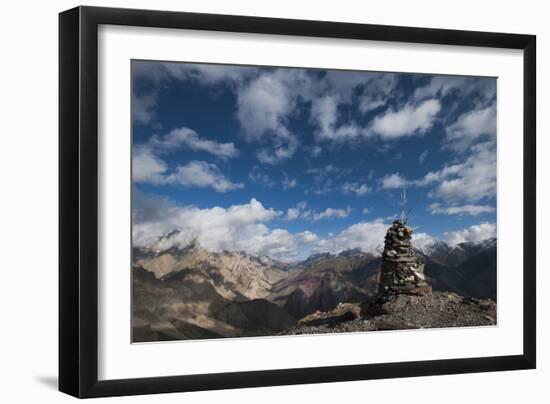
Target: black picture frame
78, 201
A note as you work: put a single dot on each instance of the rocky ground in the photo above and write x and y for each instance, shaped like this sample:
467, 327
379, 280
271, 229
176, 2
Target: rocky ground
400, 312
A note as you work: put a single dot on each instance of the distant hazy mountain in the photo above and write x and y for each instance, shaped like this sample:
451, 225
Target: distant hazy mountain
467, 268
234, 275
184, 305
188, 292
323, 280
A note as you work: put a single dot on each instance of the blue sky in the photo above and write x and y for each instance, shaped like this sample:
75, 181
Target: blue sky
288, 161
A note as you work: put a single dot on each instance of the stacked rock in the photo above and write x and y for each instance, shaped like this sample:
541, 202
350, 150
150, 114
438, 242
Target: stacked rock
402, 272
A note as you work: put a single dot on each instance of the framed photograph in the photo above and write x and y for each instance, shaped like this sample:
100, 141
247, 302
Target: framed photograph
251, 201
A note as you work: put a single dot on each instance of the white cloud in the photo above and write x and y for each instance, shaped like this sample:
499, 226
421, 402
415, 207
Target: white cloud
441, 86
440, 175
146, 167
475, 233
421, 240
472, 210
264, 106
377, 92
324, 112
265, 98
316, 151
301, 211
368, 236
471, 125
355, 188
367, 104
343, 83
245, 227
324, 188
288, 183
422, 156
258, 176
395, 180
236, 228
366, 210
292, 213
189, 138
143, 107
326, 179
306, 237
331, 212
283, 149
208, 74
268, 98
163, 73
203, 175
372, 90
408, 121
471, 180
324, 171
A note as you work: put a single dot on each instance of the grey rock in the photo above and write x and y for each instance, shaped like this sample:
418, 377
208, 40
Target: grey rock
401, 268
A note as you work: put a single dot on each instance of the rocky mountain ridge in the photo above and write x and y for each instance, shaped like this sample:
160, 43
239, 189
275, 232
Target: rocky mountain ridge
188, 292
467, 268
235, 275
404, 299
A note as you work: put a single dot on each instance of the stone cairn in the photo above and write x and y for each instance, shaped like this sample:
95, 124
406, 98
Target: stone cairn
402, 272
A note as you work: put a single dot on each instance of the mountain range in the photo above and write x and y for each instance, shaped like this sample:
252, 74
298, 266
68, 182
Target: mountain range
188, 292
467, 268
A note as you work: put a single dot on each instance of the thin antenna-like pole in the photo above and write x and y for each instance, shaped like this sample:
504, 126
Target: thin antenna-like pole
404, 212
